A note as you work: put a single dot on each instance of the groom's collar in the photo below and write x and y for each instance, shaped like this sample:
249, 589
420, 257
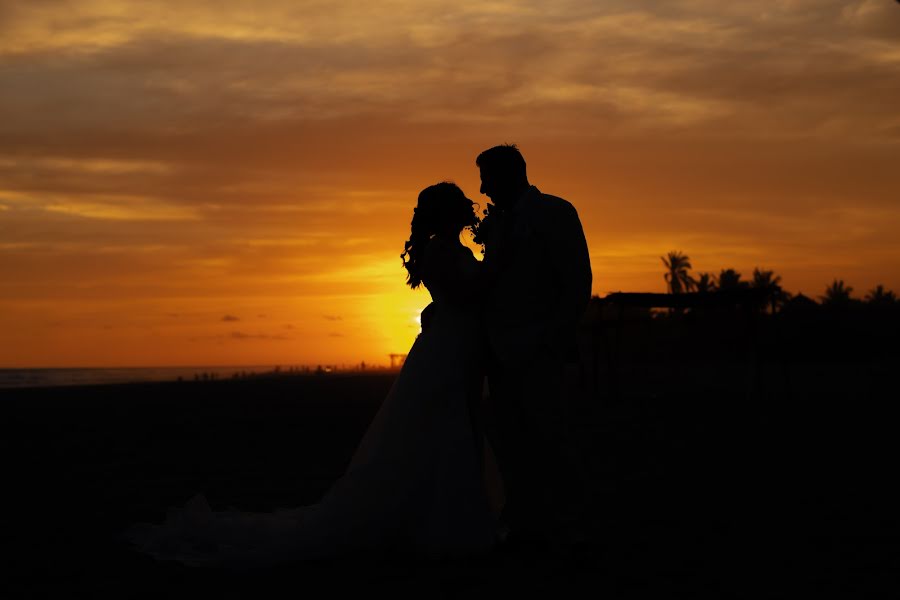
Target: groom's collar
525, 199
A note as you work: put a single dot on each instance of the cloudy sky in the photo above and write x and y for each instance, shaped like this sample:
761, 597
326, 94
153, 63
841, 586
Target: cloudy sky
195, 182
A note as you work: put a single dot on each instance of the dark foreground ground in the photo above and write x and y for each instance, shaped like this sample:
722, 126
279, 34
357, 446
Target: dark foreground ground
702, 489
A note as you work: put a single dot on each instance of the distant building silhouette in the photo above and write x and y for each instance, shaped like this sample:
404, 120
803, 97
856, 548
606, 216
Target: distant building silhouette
800, 303
397, 360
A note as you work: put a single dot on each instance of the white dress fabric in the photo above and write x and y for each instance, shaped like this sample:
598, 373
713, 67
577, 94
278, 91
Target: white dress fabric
414, 483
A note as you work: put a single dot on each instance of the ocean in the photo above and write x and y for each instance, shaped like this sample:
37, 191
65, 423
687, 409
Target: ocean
18, 378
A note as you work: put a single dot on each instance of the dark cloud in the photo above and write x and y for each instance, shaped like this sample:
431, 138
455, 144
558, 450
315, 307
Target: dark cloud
655, 65
239, 335
332, 317
230, 318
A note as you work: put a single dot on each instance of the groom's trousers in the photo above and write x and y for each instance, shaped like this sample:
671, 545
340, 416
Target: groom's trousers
534, 447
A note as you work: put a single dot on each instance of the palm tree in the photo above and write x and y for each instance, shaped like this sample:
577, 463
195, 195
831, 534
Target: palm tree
770, 284
706, 282
881, 297
677, 276
837, 294
729, 279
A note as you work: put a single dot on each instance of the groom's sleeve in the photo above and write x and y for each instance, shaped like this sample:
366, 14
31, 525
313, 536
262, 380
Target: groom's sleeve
572, 262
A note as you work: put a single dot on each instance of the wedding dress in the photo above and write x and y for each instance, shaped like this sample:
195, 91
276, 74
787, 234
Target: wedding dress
415, 482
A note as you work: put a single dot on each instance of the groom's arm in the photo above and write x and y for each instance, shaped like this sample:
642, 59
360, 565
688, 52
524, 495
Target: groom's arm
571, 261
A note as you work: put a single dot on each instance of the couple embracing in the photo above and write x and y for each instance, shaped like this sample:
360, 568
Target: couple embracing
441, 470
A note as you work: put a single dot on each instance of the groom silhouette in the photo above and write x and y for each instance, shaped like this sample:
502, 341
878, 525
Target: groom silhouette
539, 284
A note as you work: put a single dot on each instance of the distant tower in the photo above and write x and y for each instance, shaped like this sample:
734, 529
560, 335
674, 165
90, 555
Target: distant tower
397, 360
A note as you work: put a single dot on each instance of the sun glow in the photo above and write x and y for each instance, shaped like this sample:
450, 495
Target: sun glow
395, 318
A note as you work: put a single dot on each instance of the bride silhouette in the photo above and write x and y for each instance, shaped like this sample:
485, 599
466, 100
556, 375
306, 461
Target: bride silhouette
415, 482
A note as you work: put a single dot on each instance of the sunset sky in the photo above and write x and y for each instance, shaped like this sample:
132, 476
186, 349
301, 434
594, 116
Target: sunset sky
231, 183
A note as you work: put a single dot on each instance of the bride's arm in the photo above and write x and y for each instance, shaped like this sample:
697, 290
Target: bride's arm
458, 274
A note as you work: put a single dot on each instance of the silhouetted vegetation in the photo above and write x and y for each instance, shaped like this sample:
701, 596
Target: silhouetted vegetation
729, 279
677, 276
837, 295
755, 326
770, 285
705, 282
880, 297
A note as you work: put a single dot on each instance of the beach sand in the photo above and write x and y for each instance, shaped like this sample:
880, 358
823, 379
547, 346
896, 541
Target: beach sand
697, 493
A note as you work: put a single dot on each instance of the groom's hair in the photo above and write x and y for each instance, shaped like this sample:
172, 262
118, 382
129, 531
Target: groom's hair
505, 159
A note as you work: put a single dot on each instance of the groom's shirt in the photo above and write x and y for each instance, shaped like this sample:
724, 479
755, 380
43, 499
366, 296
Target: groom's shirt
541, 279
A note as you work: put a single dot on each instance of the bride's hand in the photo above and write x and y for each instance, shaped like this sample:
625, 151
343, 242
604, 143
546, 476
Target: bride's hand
426, 316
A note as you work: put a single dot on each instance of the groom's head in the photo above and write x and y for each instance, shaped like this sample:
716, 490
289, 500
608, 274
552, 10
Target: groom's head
503, 176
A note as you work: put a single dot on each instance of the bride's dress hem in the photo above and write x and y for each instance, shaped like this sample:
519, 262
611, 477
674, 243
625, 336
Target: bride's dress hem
414, 485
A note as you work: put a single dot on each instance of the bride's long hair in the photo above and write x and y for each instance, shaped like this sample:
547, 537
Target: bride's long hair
440, 206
